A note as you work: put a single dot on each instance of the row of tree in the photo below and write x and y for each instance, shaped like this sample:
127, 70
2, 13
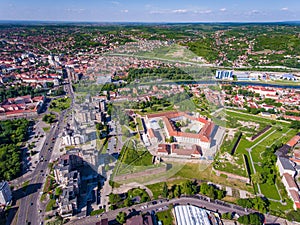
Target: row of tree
170, 73
190, 188
252, 218
128, 199
258, 203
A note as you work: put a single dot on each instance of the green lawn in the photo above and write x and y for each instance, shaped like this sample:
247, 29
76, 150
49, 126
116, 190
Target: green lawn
46, 129
60, 104
97, 212
139, 123
134, 158
50, 205
202, 172
156, 189
135, 155
269, 191
166, 217
279, 133
248, 117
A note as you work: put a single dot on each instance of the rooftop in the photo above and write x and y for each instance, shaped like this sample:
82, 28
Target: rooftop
191, 215
286, 163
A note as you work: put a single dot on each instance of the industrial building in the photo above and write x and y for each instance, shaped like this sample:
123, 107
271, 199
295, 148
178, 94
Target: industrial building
191, 215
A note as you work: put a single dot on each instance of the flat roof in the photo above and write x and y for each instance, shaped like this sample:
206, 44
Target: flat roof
191, 215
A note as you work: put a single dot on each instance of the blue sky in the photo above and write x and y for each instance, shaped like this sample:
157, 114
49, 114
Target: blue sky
151, 11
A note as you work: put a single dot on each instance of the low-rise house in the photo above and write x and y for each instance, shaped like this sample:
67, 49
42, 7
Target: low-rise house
23, 106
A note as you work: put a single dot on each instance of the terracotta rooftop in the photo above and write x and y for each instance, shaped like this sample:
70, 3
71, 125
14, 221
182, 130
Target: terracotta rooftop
195, 150
151, 133
295, 196
290, 180
293, 141
163, 148
203, 135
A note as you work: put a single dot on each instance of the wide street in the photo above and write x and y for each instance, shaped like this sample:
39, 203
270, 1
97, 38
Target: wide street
160, 205
28, 202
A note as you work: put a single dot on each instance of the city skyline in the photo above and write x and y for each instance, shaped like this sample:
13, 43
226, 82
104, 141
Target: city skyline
150, 11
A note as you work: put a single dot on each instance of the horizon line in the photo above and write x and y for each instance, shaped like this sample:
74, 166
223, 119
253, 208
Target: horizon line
146, 22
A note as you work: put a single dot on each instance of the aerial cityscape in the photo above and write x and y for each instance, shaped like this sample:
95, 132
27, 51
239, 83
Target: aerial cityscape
149, 112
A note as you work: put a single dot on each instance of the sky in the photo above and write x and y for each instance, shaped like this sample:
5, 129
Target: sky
151, 11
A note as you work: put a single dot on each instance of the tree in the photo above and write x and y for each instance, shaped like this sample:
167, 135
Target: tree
208, 190
49, 118
220, 194
256, 178
145, 198
253, 219
227, 216
172, 139
189, 187
170, 195
177, 191
294, 215
244, 219
114, 198
99, 126
258, 203
295, 124
126, 133
246, 203
121, 217
127, 202
12, 133
165, 190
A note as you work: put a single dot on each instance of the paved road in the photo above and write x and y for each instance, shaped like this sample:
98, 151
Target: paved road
200, 201
28, 212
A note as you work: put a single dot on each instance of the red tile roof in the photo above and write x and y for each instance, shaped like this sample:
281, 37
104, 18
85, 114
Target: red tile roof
203, 135
295, 196
163, 148
293, 141
151, 133
195, 150
290, 180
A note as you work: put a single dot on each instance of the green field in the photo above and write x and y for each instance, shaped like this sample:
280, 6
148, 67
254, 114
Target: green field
134, 158
280, 133
172, 52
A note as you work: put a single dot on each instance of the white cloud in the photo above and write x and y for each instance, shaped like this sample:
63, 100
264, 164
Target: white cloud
179, 11
124, 11
75, 10
169, 11
284, 9
203, 11
253, 12
223, 9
